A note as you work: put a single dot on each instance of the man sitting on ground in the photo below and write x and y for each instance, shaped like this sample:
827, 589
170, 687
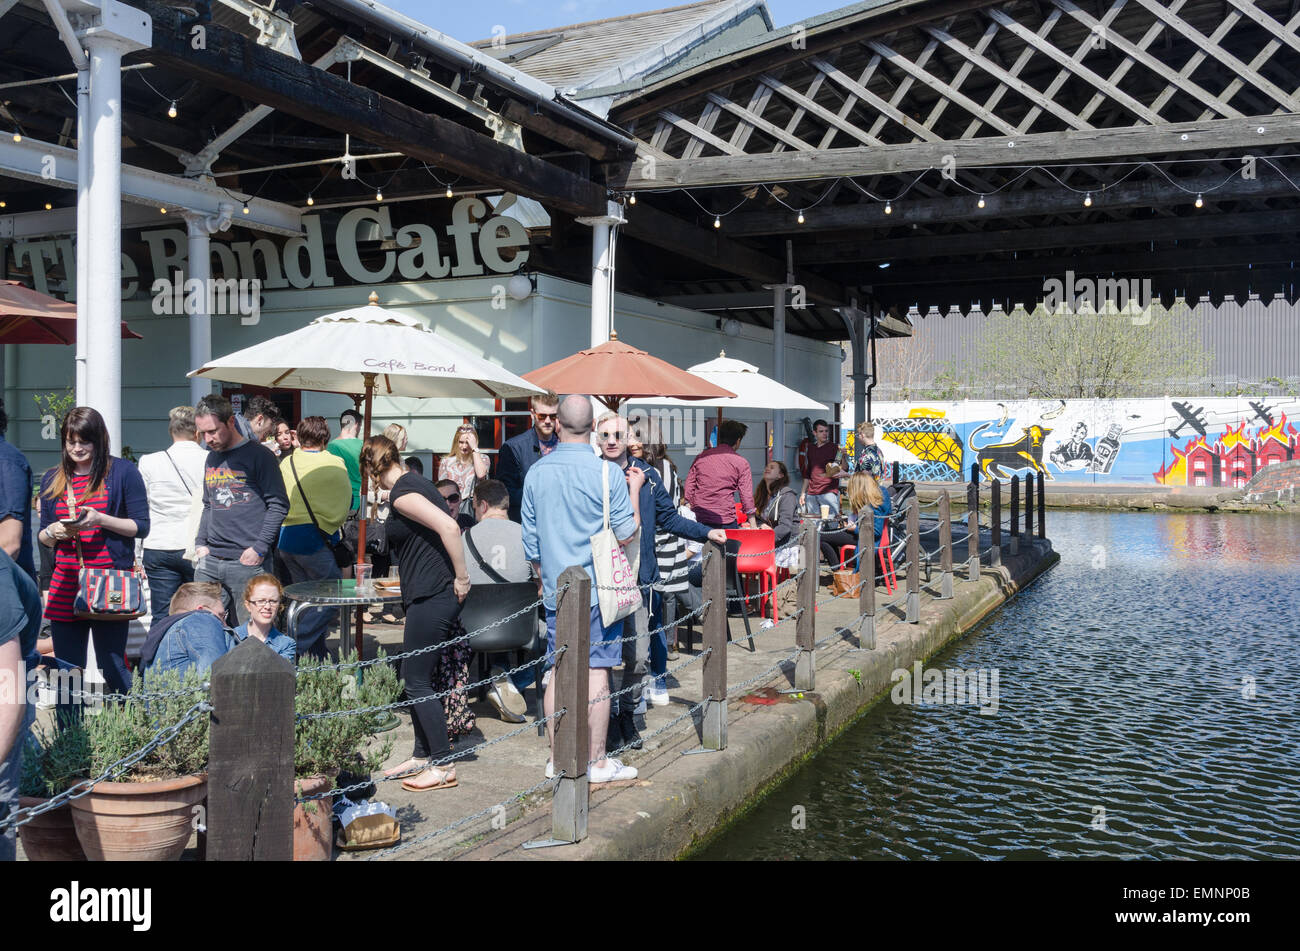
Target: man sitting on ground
193, 634
494, 554
449, 489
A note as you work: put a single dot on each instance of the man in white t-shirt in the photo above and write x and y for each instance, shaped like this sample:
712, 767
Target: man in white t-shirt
173, 480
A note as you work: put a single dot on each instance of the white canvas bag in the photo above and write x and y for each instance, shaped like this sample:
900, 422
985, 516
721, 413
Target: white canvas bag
615, 574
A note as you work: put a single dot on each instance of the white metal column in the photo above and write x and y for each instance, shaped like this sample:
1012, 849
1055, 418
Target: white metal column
84, 165
603, 237
199, 268
114, 29
778, 364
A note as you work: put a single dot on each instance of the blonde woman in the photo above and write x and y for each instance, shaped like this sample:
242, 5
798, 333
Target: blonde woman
868, 499
464, 464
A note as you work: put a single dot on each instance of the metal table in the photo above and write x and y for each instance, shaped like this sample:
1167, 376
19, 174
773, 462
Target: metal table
334, 592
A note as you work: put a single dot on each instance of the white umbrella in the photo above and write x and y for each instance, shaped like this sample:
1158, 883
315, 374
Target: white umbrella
365, 349
753, 390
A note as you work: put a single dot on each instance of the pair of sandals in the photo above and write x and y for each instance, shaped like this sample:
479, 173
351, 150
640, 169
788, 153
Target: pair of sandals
444, 778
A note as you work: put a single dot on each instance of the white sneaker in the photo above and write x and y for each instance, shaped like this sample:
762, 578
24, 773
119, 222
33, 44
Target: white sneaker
614, 771
658, 697
550, 769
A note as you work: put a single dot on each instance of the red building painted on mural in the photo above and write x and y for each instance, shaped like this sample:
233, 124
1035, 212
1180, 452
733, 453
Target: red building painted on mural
1233, 458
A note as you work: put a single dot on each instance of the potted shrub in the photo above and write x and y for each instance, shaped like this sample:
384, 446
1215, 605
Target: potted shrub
324, 746
146, 813
52, 763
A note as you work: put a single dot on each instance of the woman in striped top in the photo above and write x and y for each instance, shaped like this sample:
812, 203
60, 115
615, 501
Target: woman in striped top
112, 510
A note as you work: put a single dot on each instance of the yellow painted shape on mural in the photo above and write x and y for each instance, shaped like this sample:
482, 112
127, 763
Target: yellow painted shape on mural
923, 412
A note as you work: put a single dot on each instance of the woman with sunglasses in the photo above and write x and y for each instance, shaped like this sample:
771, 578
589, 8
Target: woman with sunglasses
262, 598
464, 464
93, 508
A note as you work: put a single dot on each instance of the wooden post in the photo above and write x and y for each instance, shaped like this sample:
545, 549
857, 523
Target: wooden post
973, 532
1015, 515
805, 637
250, 757
895, 479
974, 473
945, 545
1042, 507
714, 624
913, 560
867, 598
995, 509
572, 730
1029, 507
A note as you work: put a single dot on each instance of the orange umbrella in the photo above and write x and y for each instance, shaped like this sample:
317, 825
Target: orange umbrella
28, 316
614, 372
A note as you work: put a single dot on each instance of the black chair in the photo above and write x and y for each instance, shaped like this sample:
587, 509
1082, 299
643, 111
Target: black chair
487, 603
734, 590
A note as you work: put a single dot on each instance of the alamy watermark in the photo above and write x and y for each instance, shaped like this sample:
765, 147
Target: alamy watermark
223, 297
1132, 297
954, 686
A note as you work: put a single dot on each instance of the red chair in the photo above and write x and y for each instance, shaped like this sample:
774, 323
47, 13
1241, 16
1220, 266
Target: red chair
748, 562
845, 552
885, 552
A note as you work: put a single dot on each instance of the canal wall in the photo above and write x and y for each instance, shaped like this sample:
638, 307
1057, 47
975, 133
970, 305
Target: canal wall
679, 801
1135, 498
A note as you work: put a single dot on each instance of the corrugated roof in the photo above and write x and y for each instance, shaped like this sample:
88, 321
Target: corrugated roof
617, 49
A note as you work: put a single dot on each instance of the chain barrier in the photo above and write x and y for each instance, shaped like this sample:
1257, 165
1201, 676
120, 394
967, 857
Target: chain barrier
358, 711
451, 757
650, 736
441, 645
664, 627
86, 786
142, 697
470, 818
637, 683
767, 673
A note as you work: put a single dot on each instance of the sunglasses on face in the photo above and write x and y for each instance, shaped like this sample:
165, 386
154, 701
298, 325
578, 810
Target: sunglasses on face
607, 436
454, 497
551, 416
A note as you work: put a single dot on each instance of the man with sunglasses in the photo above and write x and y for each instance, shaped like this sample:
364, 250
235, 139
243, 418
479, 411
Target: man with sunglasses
658, 514
450, 493
520, 452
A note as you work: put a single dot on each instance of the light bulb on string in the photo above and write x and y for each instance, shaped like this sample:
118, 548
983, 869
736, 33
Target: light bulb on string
310, 201
631, 199
450, 194
1200, 202
717, 221
171, 110
980, 203
801, 216
3, 204
163, 210
379, 195
18, 136
1087, 200
889, 208
246, 208
48, 206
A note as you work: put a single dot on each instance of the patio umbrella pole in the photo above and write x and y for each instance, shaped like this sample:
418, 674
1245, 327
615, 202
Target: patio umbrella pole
364, 504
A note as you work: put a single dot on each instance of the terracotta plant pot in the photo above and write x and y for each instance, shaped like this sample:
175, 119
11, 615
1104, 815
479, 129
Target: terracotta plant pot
142, 822
313, 839
51, 836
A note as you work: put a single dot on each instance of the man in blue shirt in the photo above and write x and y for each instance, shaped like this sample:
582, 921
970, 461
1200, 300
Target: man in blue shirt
15, 501
20, 618
562, 507
520, 452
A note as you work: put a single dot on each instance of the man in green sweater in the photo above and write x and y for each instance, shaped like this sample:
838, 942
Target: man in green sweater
348, 448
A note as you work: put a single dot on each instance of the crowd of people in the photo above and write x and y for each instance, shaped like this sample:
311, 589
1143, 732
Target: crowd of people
242, 504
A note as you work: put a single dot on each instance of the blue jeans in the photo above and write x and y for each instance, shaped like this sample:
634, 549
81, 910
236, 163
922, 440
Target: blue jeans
11, 771
166, 571
232, 575
194, 641
70, 640
664, 613
312, 624
829, 499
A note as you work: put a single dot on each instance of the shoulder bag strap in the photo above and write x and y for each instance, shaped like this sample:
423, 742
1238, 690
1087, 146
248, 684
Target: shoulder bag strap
303, 492
604, 475
487, 569
72, 513
188, 490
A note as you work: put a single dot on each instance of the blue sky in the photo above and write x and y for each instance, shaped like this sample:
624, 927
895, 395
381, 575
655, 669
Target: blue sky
474, 21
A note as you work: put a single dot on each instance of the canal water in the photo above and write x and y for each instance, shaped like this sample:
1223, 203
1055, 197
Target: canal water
1148, 706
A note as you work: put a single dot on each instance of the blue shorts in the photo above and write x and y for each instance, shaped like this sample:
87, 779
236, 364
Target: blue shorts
606, 651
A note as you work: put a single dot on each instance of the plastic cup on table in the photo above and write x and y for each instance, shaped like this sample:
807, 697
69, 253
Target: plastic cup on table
365, 579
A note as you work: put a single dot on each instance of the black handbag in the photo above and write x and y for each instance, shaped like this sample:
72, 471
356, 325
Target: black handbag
343, 554
376, 534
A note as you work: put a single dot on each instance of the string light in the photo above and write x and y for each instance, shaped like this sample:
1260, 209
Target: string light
171, 110
450, 193
18, 136
717, 222
1087, 200
48, 206
801, 216
310, 201
3, 204
163, 209
980, 204
379, 195
631, 199
1199, 201
889, 208
245, 207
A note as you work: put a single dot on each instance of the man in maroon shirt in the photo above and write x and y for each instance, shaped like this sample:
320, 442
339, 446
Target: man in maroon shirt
821, 487
716, 476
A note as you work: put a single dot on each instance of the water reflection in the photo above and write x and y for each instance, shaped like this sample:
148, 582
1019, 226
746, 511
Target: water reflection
1148, 709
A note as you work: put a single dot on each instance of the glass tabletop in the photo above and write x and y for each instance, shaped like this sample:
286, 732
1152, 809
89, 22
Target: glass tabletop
339, 591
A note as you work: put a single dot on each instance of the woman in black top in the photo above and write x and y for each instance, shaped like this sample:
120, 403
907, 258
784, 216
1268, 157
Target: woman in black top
425, 540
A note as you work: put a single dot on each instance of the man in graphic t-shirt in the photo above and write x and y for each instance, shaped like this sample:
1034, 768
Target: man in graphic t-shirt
244, 503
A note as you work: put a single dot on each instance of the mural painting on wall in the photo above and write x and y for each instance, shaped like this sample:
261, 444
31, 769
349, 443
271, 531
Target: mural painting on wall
1176, 441
924, 444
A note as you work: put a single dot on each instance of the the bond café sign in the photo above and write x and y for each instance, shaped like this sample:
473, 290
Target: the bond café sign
468, 246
